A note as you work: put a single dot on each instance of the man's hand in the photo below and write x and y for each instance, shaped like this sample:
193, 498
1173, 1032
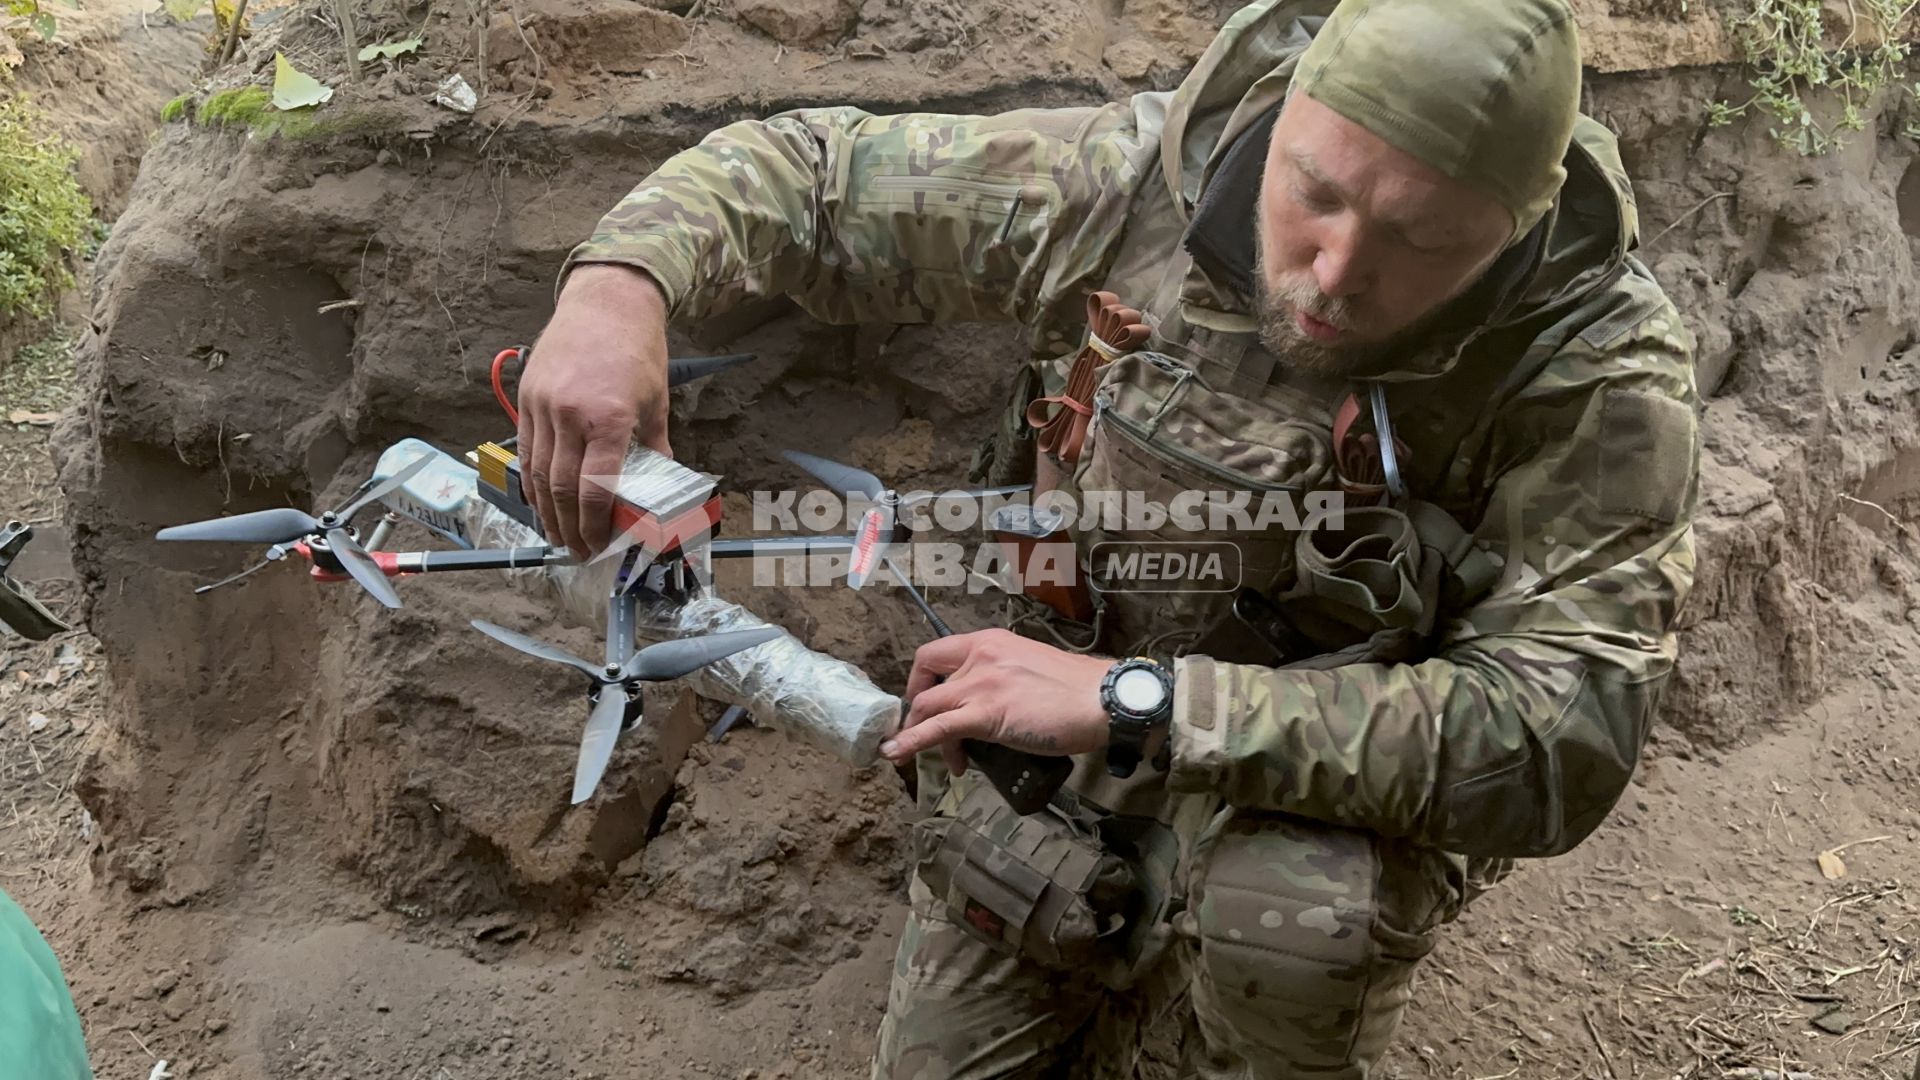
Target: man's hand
1003, 688
596, 378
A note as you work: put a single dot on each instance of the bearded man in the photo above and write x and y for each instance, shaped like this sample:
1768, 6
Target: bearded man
1381, 253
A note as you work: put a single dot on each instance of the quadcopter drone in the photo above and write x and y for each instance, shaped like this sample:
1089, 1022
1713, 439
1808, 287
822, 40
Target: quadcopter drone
665, 528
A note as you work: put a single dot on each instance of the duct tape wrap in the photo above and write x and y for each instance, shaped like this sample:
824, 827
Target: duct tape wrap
808, 696
805, 695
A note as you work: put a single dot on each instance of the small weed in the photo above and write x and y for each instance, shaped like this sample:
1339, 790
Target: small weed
176, 109
1784, 41
616, 954
1742, 917
241, 105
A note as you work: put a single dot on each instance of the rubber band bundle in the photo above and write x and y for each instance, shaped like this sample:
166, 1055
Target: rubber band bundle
1113, 330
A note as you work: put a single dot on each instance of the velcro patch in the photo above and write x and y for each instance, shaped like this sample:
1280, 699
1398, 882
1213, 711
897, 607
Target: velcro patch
1648, 452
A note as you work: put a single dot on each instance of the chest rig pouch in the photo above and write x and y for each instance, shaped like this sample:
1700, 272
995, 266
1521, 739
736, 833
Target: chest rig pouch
1328, 566
1178, 468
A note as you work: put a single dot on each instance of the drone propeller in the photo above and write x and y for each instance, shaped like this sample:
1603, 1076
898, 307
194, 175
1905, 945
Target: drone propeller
685, 369
838, 477
659, 662
878, 528
284, 525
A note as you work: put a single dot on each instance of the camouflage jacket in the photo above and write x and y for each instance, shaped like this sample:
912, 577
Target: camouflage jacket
1557, 425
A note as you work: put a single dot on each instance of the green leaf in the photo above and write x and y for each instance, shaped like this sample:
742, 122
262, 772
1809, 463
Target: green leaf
295, 89
22, 7
43, 22
182, 10
390, 49
74, 4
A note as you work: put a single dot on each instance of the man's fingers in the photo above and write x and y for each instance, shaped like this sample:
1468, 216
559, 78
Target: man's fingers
535, 473
599, 472
653, 433
955, 757
563, 481
525, 441
935, 660
965, 722
933, 701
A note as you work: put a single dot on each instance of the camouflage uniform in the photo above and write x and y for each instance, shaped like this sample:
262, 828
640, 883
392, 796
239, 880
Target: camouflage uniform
1326, 819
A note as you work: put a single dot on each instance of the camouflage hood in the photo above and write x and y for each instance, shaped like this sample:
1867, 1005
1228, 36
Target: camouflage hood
1212, 144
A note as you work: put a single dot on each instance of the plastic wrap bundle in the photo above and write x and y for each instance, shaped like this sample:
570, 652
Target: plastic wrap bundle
809, 696
805, 695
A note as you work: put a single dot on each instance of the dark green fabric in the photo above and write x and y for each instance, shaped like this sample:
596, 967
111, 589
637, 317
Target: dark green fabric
1485, 91
40, 1035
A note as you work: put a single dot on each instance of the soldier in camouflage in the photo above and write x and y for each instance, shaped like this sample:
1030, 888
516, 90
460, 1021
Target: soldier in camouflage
1383, 201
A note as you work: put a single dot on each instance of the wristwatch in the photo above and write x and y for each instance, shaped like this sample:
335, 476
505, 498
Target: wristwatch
1137, 694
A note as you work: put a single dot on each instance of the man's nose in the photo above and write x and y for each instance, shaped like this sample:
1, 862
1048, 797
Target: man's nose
1340, 266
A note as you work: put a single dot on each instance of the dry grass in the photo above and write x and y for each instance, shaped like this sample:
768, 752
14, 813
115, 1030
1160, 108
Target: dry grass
50, 702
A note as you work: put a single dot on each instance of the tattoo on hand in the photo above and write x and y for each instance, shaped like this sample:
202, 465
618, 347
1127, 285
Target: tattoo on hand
1028, 741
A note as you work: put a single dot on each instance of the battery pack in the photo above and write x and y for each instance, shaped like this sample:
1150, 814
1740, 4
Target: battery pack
659, 504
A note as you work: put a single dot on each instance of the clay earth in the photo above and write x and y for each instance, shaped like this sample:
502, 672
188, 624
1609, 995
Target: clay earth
277, 830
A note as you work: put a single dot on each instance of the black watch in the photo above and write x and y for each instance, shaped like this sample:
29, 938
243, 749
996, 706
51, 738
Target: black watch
1138, 697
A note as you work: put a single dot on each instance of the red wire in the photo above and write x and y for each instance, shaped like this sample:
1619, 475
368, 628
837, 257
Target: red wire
500, 394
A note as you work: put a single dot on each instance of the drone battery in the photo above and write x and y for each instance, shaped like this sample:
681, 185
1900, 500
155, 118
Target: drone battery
659, 503
499, 481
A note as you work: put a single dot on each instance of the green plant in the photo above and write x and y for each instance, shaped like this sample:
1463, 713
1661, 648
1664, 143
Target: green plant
1784, 41
36, 14
252, 107
241, 105
176, 109
43, 212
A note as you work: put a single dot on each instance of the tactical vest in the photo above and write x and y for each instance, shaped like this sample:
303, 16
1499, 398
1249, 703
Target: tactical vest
1204, 407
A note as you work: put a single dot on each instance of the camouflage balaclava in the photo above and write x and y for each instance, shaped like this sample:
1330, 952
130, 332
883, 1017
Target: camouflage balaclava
1484, 91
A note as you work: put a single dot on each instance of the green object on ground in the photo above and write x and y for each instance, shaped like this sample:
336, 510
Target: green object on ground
40, 1035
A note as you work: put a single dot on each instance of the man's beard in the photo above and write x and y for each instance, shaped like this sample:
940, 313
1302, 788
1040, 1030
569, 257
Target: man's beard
1281, 334
1288, 342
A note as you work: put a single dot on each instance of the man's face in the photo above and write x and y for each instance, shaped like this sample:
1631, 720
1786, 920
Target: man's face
1360, 243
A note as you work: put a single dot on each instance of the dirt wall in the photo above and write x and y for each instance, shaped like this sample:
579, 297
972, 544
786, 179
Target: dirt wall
276, 736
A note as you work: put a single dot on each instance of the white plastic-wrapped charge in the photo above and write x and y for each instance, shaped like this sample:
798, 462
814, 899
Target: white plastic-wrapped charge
805, 695
809, 696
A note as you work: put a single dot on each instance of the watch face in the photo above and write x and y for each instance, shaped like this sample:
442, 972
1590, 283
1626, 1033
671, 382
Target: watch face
1138, 691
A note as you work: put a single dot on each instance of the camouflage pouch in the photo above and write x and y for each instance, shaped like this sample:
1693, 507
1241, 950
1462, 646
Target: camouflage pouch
1004, 456
1359, 580
1307, 937
1040, 886
1373, 588
1207, 464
